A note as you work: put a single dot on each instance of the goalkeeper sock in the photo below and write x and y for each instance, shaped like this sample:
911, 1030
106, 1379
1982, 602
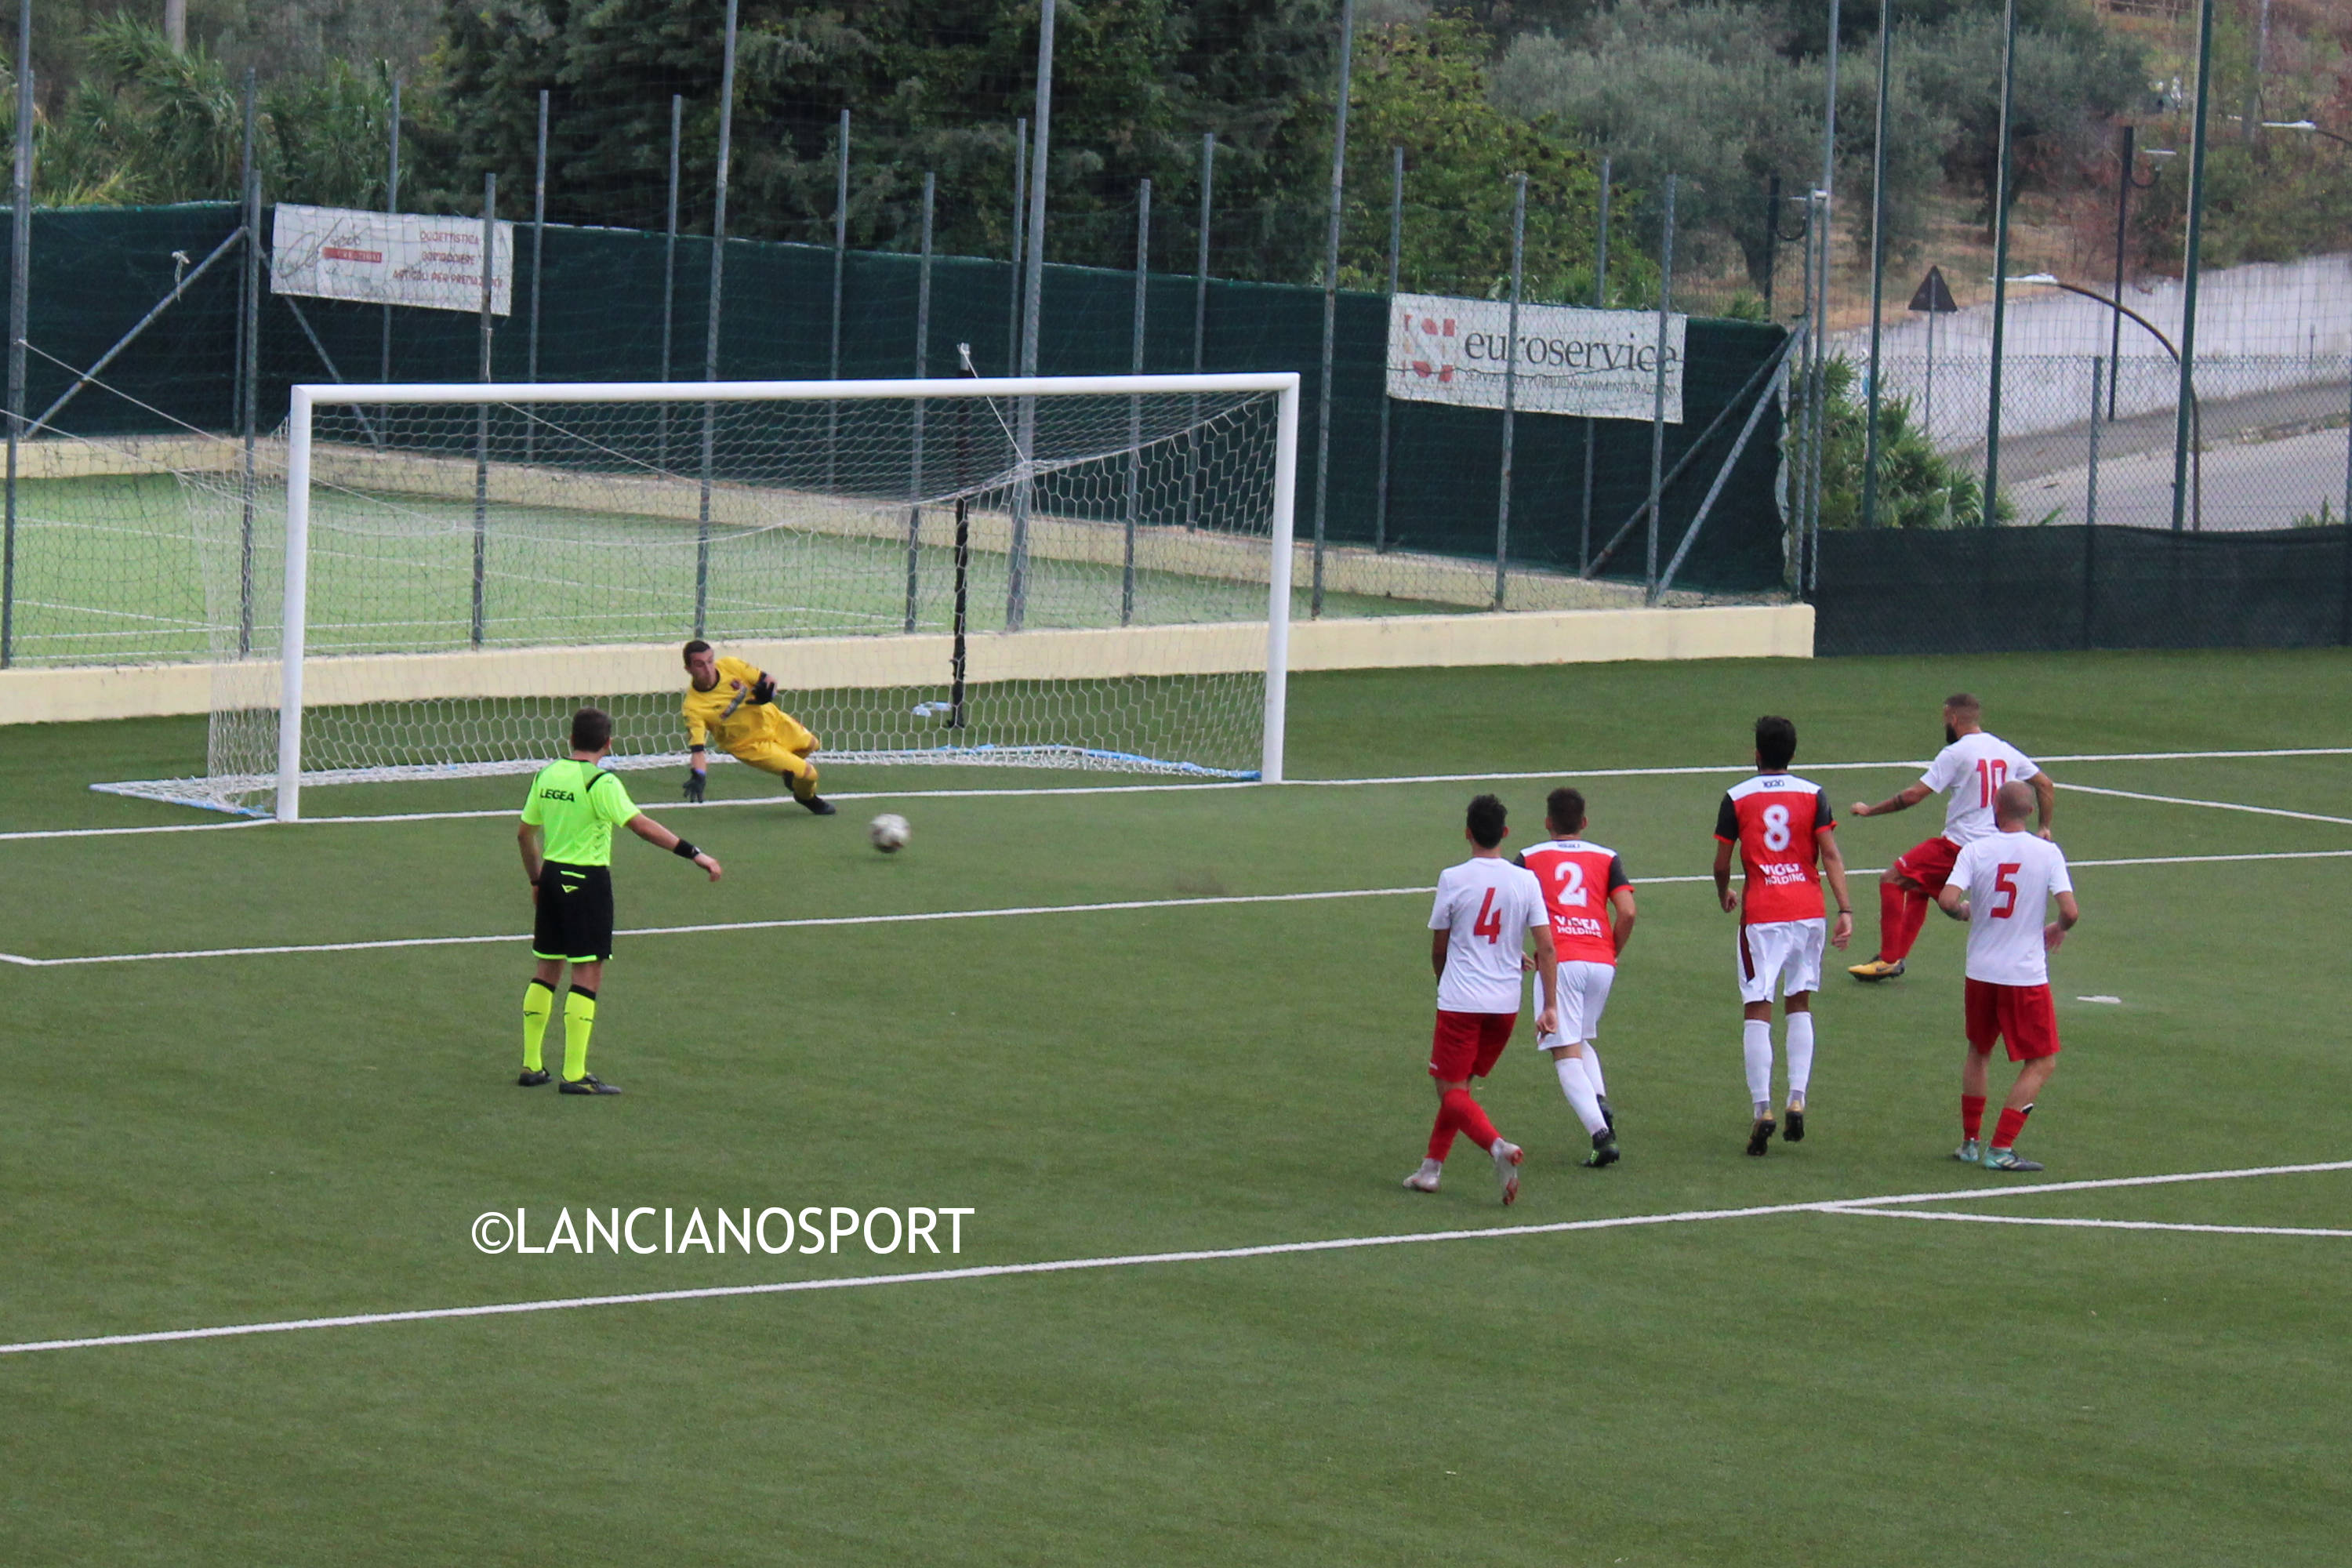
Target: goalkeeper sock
579, 1018
538, 1006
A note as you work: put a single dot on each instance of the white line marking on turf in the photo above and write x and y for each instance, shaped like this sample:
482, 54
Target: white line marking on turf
1562, 773
2092, 1224
2215, 805
922, 916
1139, 1259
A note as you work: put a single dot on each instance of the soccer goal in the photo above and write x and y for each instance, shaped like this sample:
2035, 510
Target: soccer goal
422, 582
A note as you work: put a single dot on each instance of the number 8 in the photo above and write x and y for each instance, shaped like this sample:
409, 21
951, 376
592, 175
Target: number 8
1775, 827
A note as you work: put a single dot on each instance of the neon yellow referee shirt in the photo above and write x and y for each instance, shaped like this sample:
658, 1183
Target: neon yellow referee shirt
577, 804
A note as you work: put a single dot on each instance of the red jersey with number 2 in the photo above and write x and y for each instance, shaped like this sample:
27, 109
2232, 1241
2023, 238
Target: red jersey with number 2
1774, 817
1577, 878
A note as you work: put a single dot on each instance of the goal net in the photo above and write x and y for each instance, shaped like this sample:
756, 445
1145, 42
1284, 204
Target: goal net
424, 582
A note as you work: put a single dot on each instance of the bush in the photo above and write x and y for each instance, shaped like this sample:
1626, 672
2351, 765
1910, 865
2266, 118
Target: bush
1917, 487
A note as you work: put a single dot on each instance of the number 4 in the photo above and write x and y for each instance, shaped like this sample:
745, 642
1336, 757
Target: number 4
1489, 923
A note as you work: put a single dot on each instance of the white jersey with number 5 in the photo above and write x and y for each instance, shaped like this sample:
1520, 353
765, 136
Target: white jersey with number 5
1973, 768
2011, 879
1490, 905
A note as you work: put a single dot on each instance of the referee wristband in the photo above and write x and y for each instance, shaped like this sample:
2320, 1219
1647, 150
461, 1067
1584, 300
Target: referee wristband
685, 851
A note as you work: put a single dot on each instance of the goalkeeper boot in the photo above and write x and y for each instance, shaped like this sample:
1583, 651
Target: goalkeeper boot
532, 1078
1425, 1179
1876, 968
2007, 1160
818, 805
1760, 1135
587, 1083
1604, 1149
1969, 1153
1506, 1169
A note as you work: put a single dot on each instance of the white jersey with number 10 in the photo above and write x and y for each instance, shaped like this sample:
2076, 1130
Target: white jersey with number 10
1487, 905
1973, 768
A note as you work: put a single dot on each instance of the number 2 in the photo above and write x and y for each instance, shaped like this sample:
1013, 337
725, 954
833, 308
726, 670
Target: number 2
1992, 774
1489, 923
2004, 883
1572, 874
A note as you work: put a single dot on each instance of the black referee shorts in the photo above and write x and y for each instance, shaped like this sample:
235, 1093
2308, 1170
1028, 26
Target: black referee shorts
575, 913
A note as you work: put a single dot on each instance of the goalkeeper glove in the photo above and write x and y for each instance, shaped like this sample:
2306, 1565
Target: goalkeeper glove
696, 781
764, 690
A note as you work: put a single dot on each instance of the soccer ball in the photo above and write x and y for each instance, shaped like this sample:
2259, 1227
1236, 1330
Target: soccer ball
888, 833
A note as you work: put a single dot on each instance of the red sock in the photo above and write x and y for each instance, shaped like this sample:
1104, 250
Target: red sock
1971, 1115
1466, 1116
1441, 1135
1914, 915
1890, 922
2013, 1122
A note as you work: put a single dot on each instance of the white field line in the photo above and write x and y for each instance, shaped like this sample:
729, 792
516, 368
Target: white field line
2093, 1223
2214, 804
1563, 774
1140, 1260
921, 916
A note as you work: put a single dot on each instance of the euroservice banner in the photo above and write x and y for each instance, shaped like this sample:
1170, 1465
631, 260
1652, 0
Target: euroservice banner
388, 259
1601, 364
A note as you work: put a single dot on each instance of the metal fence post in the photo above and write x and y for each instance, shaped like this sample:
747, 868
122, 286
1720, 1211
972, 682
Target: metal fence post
1658, 395
1200, 324
2091, 509
710, 331
538, 251
1033, 284
1135, 404
840, 262
20, 276
1330, 303
1877, 261
1020, 223
1396, 249
392, 209
1599, 302
1991, 511
923, 372
669, 273
250, 355
1510, 386
2183, 437
482, 410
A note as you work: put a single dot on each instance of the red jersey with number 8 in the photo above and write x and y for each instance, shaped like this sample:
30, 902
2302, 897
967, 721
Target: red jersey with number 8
1774, 817
1577, 878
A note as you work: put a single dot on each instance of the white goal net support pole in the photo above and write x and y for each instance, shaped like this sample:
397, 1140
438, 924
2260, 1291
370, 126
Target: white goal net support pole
1051, 572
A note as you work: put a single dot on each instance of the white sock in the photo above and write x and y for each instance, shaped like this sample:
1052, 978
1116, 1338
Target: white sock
1755, 1045
1578, 1086
1591, 1060
1801, 1054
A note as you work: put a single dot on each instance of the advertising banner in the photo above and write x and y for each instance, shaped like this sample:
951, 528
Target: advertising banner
1601, 364
388, 259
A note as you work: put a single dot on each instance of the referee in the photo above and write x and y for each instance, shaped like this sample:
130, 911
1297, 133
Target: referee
567, 852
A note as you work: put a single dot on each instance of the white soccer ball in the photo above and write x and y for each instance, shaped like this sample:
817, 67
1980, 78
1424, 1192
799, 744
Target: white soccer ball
888, 832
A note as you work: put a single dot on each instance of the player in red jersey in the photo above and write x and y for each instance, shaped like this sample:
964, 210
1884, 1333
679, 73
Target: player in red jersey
1584, 885
1486, 910
1973, 766
1781, 826
2002, 885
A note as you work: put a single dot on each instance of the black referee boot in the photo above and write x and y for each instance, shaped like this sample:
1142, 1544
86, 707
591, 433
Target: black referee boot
532, 1078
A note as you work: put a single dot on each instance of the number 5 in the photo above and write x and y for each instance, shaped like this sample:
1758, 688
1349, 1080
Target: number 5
2004, 883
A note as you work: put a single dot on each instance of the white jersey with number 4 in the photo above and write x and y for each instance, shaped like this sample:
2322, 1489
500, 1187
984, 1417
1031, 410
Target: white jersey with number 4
2011, 879
1973, 768
1490, 906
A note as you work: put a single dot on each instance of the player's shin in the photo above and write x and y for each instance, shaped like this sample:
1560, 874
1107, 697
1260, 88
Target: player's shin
538, 1006
1800, 1056
1591, 1060
1914, 915
1756, 1046
1972, 1107
579, 1021
1470, 1118
1892, 919
1578, 1086
2011, 1124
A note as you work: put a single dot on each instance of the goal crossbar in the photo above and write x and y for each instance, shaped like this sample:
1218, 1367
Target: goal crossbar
1283, 386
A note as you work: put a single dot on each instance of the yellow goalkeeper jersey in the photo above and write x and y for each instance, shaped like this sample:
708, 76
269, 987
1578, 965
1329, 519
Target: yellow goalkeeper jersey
725, 714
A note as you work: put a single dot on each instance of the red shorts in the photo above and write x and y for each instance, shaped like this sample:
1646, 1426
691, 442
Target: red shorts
1469, 1045
1929, 864
2020, 1016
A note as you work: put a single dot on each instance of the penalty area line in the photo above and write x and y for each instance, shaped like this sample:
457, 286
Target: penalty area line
2212, 805
2091, 1224
1133, 1260
921, 916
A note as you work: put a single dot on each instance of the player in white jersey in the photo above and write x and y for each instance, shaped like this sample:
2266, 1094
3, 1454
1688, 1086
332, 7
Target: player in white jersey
1486, 910
1972, 767
2002, 885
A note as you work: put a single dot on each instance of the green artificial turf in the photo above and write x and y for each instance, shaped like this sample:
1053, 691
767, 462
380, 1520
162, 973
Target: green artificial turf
271, 1137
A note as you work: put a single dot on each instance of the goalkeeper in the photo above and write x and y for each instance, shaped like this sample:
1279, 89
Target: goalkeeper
735, 704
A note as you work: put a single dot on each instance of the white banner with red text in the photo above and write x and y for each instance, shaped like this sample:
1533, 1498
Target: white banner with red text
1601, 364
388, 259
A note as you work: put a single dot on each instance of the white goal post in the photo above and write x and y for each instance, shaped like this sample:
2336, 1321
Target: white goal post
1088, 571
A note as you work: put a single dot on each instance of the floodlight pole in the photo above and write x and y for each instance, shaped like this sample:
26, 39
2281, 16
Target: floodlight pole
391, 210
840, 261
2183, 438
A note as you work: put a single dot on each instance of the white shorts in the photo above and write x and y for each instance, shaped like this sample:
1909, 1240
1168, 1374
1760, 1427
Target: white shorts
1786, 953
1583, 993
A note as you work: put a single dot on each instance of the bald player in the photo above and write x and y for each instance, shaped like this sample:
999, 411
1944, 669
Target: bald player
734, 703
